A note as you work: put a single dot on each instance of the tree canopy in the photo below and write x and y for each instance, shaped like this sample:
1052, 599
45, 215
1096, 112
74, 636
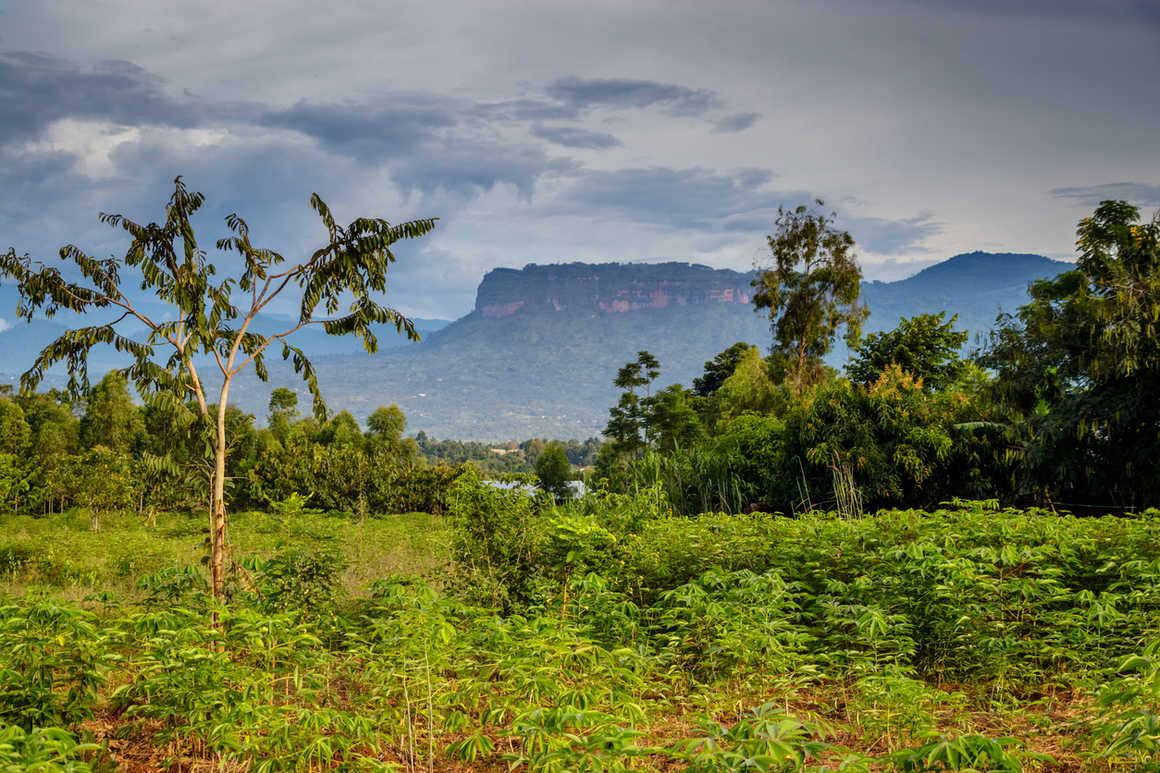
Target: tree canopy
1079, 364
810, 291
926, 346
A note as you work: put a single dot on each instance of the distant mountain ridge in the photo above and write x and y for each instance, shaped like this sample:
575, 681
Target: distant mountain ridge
537, 354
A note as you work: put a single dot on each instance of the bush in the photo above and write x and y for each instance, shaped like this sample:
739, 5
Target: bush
498, 540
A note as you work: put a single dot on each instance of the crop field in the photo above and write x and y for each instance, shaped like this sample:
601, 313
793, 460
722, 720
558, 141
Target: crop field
602, 635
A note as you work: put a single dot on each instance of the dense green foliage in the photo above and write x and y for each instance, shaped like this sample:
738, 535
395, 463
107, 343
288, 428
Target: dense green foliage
1058, 410
926, 346
1078, 367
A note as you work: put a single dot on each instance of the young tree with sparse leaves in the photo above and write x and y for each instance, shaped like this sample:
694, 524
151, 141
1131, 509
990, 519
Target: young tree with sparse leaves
810, 291
166, 261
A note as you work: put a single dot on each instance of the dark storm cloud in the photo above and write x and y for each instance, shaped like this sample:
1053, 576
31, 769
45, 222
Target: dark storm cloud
626, 93
36, 89
393, 128
735, 123
572, 137
1091, 195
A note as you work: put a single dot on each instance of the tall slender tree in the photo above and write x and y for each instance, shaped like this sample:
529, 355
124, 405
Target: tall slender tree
810, 291
349, 270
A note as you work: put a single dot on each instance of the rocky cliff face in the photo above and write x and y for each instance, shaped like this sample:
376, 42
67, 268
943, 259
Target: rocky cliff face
607, 288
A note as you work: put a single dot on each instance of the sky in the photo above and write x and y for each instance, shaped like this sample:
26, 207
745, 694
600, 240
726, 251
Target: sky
544, 132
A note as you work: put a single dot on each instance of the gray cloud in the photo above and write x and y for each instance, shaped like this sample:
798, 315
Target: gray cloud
1091, 195
467, 167
736, 123
1144, 10
626, 93
892, 236
37, 89
378, 132
572, 137
678, 198
735, 202
518, 110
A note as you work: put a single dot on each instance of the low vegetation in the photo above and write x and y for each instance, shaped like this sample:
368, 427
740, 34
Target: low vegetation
604, 634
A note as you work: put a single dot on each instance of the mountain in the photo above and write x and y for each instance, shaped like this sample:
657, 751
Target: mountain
537, 354
974, 285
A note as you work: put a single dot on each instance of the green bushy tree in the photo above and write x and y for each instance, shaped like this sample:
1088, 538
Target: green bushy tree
1079, 364
926, 346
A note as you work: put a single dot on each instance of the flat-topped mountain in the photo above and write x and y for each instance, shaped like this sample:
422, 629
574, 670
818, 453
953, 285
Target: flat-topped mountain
608, 287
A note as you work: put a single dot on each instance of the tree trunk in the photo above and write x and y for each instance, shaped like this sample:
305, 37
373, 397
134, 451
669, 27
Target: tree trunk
218, 517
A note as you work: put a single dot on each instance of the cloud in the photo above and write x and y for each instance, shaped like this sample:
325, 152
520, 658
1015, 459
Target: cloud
572, 137
1091, 195
4, 325
892, 270
626, 93
378, 132
703, 200
467, 166
735, 123
517, 110
675, 198
36, 90
885, 237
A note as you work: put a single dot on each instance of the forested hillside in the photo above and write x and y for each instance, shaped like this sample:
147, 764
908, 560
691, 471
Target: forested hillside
537, 354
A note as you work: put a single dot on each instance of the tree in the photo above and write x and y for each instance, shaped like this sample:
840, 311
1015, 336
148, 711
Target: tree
670, 420
283, 409
1079, 364
14, 429
926, 346
166, 260
718, 369
554, 471
810, 291
111, 419
101, 478
626, 420
749, 388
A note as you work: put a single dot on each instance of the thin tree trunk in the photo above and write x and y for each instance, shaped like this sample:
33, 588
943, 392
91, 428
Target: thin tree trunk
217, 543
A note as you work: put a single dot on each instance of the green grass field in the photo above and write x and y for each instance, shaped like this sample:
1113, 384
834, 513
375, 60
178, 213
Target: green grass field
60, 557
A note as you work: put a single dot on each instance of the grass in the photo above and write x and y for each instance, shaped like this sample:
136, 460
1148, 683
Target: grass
62, 558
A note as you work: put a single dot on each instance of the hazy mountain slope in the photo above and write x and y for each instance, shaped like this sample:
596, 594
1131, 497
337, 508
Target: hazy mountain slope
538, 354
